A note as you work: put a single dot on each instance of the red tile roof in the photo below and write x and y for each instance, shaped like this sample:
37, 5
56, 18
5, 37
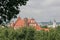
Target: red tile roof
31, 22
19, 23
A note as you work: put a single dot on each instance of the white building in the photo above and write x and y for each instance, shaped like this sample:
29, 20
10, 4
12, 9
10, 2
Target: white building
54, 23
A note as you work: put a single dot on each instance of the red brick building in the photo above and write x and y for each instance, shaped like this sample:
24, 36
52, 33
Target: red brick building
26, 22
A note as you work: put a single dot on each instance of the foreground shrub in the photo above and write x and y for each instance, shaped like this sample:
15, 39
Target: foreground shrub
53, 34
28, 33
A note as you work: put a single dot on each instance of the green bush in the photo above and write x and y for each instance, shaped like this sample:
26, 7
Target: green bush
28, 33
53, 34
44, 27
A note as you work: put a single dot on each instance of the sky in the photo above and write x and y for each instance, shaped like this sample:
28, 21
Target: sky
41, 10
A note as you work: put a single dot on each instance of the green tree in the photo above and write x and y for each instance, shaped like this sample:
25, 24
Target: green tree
9, 9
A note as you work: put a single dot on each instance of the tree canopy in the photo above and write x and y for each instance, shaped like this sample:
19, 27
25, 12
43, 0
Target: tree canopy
9, 9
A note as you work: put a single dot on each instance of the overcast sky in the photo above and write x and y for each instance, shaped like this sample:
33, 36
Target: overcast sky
41, 10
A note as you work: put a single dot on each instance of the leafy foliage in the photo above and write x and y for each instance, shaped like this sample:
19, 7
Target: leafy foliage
18, 34
28, 33
44, 27
10, 8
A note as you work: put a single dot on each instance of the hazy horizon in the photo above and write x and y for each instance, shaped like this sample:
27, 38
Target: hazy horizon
41, 10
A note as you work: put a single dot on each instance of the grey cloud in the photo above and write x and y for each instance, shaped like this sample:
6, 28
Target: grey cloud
41, 10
